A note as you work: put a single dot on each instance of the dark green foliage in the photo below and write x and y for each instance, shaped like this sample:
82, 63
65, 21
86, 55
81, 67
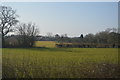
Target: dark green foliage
81, 36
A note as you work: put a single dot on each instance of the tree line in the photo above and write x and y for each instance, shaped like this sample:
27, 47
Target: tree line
27, 33
108, 38
9, 23
103, 39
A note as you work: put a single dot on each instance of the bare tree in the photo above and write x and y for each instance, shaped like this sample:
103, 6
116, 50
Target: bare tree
8, 19
49, 34
27, 33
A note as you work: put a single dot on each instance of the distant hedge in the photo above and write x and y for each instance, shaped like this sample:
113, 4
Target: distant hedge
86, 45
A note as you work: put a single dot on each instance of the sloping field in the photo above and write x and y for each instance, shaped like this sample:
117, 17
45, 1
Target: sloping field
60, 63
49, 44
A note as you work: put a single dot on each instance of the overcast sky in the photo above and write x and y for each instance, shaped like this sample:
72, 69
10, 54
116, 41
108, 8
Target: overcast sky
72, 18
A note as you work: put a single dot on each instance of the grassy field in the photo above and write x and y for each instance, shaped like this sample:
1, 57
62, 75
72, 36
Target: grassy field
60, 63
50, 44
0, 63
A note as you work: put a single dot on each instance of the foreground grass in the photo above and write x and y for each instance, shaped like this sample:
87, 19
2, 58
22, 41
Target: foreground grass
60, 62
0, 63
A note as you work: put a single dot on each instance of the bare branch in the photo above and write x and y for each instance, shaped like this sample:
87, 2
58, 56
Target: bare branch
7, 19
27, 33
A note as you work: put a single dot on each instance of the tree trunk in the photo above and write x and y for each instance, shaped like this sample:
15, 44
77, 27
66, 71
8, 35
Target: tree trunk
3, 42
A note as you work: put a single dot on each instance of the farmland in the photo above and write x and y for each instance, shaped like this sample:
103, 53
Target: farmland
59, 40
50, 44
60, 62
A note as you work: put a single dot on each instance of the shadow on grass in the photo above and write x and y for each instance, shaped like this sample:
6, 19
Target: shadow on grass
50, 49
47, 49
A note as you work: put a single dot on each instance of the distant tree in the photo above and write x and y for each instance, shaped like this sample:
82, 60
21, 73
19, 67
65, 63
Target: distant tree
8, 20
49, 34
108, 36
27, 34
65, 35
64, 38
102, 36
89, 38
81, 36
57, 36
114, 30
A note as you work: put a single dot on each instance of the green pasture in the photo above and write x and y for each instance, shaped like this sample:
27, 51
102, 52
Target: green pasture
59, 62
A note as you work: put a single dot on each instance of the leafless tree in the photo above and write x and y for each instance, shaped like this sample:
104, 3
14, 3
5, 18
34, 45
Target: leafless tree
8, 19
27, 33
49, 34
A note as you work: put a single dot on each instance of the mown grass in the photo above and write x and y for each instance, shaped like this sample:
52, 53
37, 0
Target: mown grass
60, 62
